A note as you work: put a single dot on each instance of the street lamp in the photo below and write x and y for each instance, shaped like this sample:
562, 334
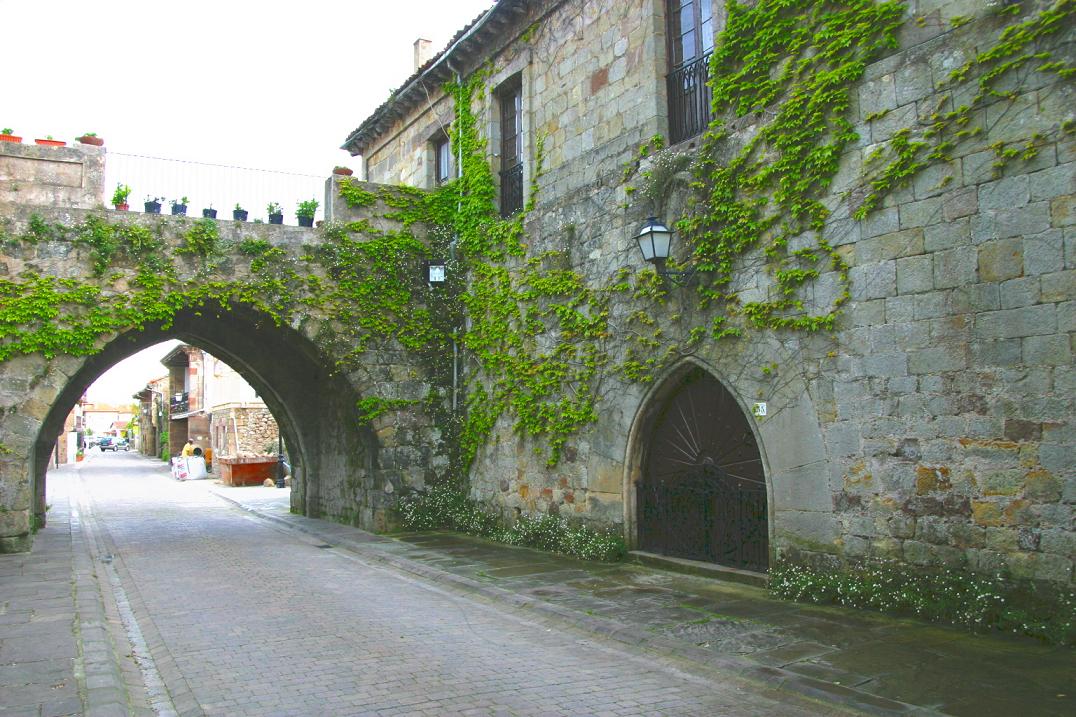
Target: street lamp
654, 240
436, 271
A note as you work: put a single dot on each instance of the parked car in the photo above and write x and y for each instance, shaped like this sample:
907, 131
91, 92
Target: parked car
111, 443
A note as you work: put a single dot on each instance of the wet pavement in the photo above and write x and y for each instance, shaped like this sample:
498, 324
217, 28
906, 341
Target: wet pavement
147, 596
871, 661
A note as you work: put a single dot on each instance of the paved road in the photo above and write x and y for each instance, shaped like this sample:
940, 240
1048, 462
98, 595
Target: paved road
225, 614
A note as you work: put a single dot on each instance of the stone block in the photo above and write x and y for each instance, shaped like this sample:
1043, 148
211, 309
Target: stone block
1057, 458
1053, 350
881, 221
1040, 566
877, 95
1019, 292
1012, 323
889, 246
961, 203
931, 305
915, 274
947, 235
1063, 211
883, 128
1044, 253
900, 309
1001, 259
873, 281
1030, 219
1066, 317
1005, 194
1001, 482
921, 213
912, 82
1008, 352
938, 359
867, 313
1053, 182
955, 267
1058, 286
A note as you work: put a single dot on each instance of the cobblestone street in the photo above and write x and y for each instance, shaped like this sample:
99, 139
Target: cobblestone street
214, 611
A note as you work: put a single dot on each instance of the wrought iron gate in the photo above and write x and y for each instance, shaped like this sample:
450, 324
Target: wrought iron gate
703, 493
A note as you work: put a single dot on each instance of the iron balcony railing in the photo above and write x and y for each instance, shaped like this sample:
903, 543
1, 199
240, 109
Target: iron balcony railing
689, 99
512, 190
179, 403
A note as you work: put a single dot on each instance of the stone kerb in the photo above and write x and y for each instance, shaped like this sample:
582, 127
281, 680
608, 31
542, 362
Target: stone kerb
34, 175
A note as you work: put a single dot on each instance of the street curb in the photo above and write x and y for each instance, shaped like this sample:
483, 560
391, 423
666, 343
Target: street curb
697, 658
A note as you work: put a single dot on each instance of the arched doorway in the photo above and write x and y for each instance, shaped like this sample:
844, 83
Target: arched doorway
701, 493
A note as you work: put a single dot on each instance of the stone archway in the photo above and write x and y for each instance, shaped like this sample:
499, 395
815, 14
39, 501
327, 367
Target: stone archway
698, 488
313, 406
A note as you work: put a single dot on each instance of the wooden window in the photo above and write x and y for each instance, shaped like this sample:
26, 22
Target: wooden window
442, 151
510, 99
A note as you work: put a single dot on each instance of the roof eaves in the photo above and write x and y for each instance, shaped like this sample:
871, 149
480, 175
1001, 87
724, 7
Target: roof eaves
435, 71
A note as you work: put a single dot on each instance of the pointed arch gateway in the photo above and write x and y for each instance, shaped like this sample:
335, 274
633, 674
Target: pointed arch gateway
700, 487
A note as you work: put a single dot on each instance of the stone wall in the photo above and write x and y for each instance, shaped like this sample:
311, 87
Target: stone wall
343, 470
257, 431
935, 424
36, 175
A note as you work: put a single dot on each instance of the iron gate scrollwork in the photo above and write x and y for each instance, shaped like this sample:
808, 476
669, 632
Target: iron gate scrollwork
703, 493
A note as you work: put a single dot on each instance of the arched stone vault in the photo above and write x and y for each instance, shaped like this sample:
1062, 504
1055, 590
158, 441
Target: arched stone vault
300, 360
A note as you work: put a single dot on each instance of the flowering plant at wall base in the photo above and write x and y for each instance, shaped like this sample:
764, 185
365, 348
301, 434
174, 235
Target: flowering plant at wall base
977, 601
446, 506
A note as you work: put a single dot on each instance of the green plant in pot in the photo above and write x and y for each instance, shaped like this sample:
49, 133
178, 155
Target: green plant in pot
179, 207
238, 213
275, 212
305, 212
209, 212
119, 197
153, 204
8, 135
90, 138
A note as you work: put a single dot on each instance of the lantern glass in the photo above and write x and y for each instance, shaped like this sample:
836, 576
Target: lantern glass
654, 239
435, 272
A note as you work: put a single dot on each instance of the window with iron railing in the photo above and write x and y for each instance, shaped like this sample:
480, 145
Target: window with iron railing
510, 98
179, 403
691, 42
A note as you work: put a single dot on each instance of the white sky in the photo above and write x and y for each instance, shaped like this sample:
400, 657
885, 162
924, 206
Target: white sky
267, 85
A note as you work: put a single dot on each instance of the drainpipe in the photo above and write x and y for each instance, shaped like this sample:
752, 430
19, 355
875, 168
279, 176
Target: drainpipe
452, 254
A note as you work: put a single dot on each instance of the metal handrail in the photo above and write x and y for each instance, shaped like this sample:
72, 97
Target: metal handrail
689, 99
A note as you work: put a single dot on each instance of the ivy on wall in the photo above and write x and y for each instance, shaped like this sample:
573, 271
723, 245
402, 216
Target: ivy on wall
538, 338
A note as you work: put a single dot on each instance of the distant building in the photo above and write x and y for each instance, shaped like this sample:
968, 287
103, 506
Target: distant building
210, 404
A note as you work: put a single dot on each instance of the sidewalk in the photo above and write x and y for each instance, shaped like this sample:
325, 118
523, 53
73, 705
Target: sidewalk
869, 661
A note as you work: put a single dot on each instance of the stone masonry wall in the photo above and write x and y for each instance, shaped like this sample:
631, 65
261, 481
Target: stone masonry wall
935, 425
256, 428
35, 175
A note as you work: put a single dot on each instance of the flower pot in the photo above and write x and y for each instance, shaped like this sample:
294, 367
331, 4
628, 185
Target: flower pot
276, 218
306, 221
240, 215
343, 171
209, 213
153, 207
95, 141
122, 207
50, 142
10, 138
179, 210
